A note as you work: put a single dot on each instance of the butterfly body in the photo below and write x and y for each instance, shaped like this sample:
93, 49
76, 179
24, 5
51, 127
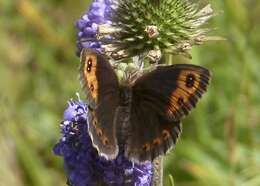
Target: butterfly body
144, 116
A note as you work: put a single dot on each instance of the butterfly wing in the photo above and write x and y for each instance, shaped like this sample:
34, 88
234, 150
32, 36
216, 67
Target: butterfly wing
101, 86
159, 100
150, 135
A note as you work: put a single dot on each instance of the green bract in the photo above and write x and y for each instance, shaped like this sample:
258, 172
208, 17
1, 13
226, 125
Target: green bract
153, 27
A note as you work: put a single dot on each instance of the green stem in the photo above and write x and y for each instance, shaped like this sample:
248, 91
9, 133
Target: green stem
158, 172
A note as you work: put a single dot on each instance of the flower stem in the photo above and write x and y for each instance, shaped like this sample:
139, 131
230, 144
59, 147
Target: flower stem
157, 172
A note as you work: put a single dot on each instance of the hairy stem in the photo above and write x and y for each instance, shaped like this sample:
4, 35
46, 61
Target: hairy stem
157, 171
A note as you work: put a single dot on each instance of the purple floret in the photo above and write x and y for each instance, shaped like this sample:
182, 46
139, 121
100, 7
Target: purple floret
98, 13
83, 164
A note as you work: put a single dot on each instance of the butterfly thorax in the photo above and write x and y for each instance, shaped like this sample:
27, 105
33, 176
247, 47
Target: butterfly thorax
125, 95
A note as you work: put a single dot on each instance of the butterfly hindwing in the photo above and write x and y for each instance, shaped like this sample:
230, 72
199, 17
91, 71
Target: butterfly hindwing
160, 99
150, 135
101, 86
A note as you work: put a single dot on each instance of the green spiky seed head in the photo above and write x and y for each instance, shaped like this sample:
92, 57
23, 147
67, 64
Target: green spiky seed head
146, 26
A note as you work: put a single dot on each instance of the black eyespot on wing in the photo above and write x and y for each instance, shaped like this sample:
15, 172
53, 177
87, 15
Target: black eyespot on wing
190, 80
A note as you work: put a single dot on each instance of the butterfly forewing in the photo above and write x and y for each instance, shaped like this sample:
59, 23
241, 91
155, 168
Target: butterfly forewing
101, 86
173, 90
191, 83
160, 100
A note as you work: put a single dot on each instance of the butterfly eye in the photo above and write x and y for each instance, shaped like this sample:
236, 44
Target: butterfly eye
190, 80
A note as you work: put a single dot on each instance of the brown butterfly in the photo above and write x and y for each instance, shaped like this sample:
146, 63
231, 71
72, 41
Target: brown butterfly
145, 116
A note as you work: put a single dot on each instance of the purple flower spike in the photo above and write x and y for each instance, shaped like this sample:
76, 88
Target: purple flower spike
98, 13
82, 163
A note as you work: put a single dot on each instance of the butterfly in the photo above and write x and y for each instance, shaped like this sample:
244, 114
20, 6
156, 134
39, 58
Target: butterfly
145, 115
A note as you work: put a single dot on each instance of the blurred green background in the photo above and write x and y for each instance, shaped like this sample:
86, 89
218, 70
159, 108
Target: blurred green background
220, 145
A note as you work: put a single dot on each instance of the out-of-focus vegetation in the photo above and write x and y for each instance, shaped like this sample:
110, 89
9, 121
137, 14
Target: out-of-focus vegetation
220, 145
